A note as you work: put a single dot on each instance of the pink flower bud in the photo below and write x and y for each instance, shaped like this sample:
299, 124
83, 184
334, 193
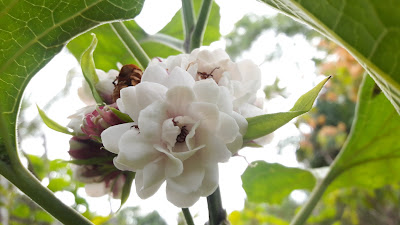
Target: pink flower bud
97, 121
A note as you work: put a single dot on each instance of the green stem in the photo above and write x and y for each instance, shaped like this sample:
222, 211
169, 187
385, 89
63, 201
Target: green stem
166, 40
28, 184
216, 213
131, 44
189, 21
198, 33
188, 216
302, 216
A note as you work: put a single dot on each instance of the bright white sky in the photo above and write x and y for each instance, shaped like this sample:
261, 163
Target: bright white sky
295, 69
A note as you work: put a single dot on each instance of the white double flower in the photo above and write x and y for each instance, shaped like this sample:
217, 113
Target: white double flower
186, 121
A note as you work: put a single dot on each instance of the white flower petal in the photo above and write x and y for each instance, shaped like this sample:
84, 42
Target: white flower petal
181, 199
153, 173
173, 165
191, 178
136, 98
178, 99
155, 73
235, 145
241, 121
210, 181
206, 91
144, 193
135, 151
207, 113
228, 129
169, 132
225, 100
251, 71
215, 149
111, 136
151, 120
179, 77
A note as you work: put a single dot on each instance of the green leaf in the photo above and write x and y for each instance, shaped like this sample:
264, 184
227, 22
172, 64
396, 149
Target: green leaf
369, 30
272, 182
32, 33
371, 155
38, 166
21, 211
52, 124
126, 190
89, 70
58, 184
265, 124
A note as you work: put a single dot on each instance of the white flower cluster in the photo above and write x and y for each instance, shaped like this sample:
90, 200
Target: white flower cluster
189, 115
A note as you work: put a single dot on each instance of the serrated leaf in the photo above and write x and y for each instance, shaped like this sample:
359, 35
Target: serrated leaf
52, 124
272, 182
259, 126
369, 30
89, 70
371, 155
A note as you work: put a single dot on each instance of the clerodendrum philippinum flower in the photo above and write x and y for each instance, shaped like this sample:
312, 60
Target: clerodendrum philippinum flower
187, 120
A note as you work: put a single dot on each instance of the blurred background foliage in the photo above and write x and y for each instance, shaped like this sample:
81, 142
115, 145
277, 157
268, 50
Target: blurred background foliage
323, 132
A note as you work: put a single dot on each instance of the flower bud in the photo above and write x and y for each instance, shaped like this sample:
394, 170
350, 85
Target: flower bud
97, 121
95, 168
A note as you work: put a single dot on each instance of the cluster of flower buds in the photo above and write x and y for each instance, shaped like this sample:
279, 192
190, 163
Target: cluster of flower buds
92, 164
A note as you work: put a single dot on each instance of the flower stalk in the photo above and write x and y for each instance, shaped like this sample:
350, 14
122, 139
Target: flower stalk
199, 29
131, 44
188, 216
217, 214
189, 22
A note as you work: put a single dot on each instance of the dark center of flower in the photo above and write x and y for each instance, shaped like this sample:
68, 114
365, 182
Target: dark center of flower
182, 136
205, 75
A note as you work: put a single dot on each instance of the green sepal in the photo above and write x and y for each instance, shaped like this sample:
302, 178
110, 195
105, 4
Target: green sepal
124, 117
126, 190
52, 124
262, 125
89, 70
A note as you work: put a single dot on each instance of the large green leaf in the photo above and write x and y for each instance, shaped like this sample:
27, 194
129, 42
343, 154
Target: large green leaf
371, 155
110, 50
369, 30
272, 182
33, 32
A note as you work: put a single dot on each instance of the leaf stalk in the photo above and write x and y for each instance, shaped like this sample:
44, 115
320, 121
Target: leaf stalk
131, 44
